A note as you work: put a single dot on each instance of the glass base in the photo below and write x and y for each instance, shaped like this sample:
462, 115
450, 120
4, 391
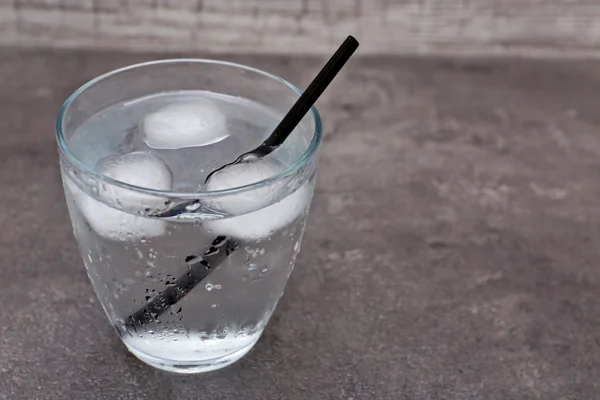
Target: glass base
192, 367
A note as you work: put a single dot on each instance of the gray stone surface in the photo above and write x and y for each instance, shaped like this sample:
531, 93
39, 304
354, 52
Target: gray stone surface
452, 251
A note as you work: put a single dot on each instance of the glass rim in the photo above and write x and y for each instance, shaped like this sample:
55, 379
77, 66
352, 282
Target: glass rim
80, 165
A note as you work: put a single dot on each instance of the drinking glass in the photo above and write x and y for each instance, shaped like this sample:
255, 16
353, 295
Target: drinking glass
189, 293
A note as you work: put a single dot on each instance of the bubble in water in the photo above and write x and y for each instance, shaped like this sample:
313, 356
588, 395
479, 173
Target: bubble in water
193, 259
214, 305
209, 286
151, 332
222, 333
218, 287
104, 252
264, 270
176, 310
251, 252
244, 329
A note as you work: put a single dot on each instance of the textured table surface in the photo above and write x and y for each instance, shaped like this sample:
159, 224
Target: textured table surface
452, 250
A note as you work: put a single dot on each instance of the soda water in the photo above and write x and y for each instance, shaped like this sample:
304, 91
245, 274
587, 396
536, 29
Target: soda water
171, 141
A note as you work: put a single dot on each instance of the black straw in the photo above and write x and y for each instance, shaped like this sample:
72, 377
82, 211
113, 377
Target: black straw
199, 268
223, 246
308, 98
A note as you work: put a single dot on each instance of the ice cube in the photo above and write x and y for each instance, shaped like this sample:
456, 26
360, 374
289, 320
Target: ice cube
243, 174
267, 218
261, 224
137, 168
189, 124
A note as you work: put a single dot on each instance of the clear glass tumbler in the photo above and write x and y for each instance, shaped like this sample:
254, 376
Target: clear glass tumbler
193, 292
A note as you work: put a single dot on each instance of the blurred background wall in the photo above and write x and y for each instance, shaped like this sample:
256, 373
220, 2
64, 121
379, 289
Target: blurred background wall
475, 27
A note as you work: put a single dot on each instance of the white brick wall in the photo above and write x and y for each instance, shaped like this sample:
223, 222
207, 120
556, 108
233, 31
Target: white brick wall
513, 27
